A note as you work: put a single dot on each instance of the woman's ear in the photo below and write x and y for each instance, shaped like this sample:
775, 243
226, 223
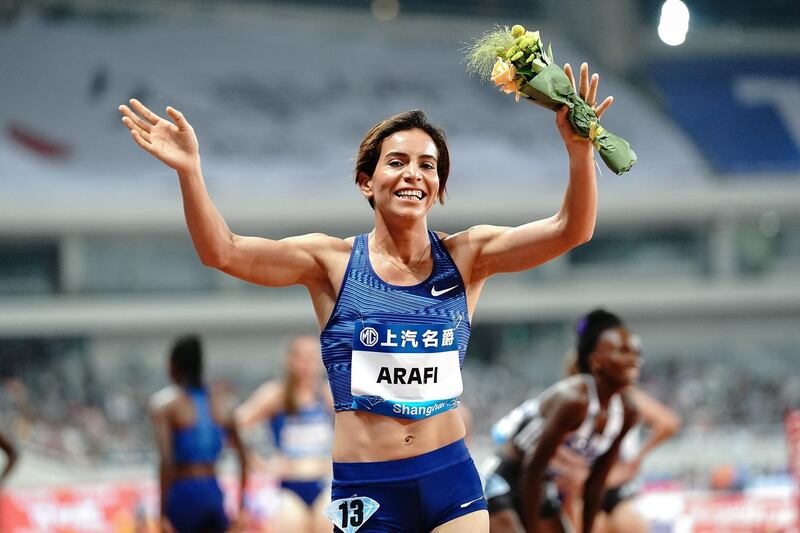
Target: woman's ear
365, 184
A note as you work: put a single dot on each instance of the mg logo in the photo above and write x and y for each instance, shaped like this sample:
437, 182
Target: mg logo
369, 337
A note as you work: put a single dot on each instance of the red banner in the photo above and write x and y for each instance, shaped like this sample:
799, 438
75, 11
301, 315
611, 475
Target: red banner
102, 508
130, 507
792, 426
739, 513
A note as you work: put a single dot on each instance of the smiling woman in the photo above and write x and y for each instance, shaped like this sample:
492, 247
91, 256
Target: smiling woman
392, 305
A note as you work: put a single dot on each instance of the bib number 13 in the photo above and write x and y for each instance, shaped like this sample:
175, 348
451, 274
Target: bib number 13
352, 512
349, 514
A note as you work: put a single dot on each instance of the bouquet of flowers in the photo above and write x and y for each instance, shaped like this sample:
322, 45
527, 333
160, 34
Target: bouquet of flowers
517, 62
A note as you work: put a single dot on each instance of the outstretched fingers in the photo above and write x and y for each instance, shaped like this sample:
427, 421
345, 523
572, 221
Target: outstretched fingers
583, 91
178, 118
142, 110
136, 120
570, 76
134, 127
146, 145
591, 94
603, 107
588, 88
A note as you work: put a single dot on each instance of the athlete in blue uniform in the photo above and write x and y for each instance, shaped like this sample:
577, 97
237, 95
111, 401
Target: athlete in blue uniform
299, 413
551, 443
191, 424
394, 306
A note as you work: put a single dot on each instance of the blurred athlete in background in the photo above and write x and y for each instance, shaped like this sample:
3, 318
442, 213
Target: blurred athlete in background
299, 412
618, 512
191, 424
571, 430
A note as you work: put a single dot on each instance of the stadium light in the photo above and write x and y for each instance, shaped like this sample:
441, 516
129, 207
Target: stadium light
674, 22
385, 10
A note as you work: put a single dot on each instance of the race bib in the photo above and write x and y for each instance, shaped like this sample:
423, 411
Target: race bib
349, 514
307, 438
405, 370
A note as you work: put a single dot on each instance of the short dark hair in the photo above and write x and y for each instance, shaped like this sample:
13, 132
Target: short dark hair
370, 149
589, 329
186, 359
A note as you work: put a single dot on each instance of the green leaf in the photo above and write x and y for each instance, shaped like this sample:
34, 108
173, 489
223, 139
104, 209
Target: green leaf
525, 72
537, 65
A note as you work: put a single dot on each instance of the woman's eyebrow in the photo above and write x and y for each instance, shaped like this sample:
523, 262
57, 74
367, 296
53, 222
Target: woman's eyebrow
396, 153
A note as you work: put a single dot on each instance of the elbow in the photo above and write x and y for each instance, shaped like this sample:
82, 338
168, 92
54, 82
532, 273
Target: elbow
673, 425
574, 232
218, 257
240, 418
580, 236
587, 230
586, 235
211, 260
217, 252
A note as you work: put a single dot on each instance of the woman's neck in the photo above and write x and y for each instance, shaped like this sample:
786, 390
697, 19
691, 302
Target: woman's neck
605, 390
304, 386
404, 242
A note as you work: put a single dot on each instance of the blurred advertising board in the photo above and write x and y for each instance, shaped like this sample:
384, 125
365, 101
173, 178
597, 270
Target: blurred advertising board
125, 507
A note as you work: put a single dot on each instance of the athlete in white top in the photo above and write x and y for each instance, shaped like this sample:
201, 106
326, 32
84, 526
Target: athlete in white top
575, 425
618, 511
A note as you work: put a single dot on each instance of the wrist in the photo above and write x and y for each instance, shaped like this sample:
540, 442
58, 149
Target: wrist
193, 168
580, 151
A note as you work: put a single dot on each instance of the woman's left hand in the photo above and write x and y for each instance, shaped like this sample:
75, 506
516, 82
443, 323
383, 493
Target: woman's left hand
588, 91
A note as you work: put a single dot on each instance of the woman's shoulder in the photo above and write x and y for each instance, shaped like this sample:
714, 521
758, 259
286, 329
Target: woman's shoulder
271, 391
630, 407
164, 399
323, 241
568, 400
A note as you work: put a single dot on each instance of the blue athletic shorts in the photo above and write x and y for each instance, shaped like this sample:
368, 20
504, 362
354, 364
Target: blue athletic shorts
413, 495
306, 490
196, 505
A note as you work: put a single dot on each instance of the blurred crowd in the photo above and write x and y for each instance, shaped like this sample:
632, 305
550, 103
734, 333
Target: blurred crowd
47, 416
71, 415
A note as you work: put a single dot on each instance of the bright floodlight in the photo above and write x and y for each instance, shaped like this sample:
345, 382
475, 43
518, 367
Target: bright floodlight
674, 22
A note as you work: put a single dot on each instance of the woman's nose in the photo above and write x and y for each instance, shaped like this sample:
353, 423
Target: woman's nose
412, 173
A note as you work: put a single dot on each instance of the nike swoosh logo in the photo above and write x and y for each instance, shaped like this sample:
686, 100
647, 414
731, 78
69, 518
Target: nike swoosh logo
463, 505
434, 292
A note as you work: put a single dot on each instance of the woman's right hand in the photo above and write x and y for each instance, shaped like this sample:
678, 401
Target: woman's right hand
174, 143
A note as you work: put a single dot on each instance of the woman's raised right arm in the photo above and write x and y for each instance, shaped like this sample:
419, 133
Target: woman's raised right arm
275, 263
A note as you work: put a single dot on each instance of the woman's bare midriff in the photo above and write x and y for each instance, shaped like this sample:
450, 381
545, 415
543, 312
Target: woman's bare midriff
364, 438
304, 468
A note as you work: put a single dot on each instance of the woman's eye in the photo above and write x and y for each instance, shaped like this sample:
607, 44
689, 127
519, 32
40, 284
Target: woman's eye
395, 163
428, 166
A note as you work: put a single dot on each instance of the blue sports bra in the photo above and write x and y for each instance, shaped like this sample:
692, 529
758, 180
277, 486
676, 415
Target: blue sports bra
397, 350
202, 442
306, 433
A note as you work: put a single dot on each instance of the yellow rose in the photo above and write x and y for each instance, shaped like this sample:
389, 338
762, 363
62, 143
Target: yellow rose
503, 72
510, 87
